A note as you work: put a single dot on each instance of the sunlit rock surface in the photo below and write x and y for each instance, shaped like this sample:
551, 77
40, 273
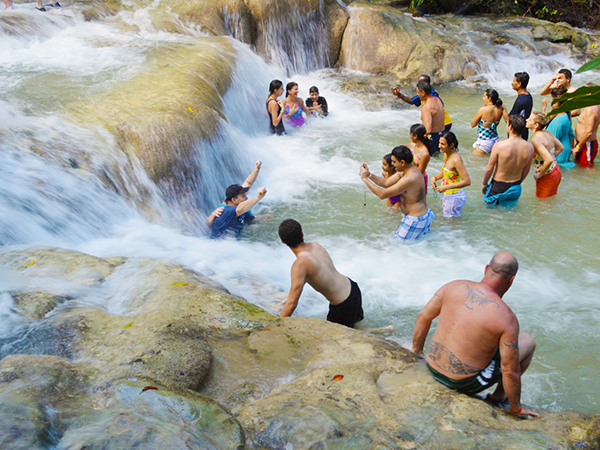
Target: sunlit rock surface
226, 373
175, 102
383, 39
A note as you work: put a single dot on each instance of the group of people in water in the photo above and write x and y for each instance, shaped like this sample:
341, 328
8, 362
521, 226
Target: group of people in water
553, 144
404, 181
292, 108
477, 343
510, 160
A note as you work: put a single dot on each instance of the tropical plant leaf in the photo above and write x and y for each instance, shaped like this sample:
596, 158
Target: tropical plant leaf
580, 92
590, 65
581, 98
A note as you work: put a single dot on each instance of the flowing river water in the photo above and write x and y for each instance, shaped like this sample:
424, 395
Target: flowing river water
47, 61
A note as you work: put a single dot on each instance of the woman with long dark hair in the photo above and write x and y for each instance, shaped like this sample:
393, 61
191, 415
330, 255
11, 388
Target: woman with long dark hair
454, 177
422, 148
486, 120
389, 171
275, 108
293, 105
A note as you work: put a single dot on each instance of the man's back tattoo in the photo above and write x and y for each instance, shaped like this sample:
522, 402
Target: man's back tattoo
476, 297
448, 361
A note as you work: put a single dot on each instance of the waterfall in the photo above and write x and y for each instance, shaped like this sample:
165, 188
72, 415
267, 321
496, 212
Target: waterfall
290, 38
64, 182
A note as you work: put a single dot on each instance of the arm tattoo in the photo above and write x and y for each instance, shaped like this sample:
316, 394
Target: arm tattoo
476, 297
448, 361
513, 345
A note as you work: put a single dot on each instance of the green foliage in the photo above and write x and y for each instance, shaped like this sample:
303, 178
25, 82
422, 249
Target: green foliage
432, 4
545, 13
593, 64
582, 97
580, 13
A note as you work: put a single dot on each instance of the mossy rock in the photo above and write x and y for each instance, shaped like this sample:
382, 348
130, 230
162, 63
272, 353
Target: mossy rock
48, 401
86, 269
36, 305
174, 103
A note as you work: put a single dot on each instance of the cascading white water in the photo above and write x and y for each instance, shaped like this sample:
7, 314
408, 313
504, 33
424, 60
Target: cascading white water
311, 174
291, 39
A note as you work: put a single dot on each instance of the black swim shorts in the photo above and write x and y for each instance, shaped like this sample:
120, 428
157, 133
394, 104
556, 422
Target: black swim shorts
499, 187
350, 310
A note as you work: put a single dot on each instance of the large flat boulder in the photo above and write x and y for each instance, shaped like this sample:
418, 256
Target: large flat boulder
225, 373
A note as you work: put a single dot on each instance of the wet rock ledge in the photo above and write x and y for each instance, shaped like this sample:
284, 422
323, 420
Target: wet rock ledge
223, 373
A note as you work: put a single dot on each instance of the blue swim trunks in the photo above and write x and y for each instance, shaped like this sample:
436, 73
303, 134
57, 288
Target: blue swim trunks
499, 192
413, 227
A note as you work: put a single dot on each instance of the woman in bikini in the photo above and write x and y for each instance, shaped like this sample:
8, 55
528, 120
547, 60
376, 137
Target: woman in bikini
275, 108
454, 178
486, 120
293, 105
388, 171
545, 169
421, 148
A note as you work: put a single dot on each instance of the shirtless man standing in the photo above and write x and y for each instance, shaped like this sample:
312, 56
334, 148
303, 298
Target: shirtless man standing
509, 164
432, 113
586, 135
477, 341
409, 184
416, 100
314, 266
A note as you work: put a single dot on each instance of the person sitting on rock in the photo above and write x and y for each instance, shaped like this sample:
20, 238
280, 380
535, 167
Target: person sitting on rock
229, 218
477, 342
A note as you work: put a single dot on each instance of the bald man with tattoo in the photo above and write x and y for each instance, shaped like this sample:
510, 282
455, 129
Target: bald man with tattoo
477, 341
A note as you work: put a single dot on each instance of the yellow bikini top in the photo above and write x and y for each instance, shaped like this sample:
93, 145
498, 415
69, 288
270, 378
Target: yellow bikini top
449, 178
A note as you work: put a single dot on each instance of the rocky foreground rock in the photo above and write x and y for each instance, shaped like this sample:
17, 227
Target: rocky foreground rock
222, 373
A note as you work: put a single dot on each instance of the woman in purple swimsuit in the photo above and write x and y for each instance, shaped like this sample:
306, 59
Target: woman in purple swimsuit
293, 106
388, 171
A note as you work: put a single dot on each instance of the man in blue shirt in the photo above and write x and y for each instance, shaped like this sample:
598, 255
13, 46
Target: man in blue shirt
416, 100
230, 218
